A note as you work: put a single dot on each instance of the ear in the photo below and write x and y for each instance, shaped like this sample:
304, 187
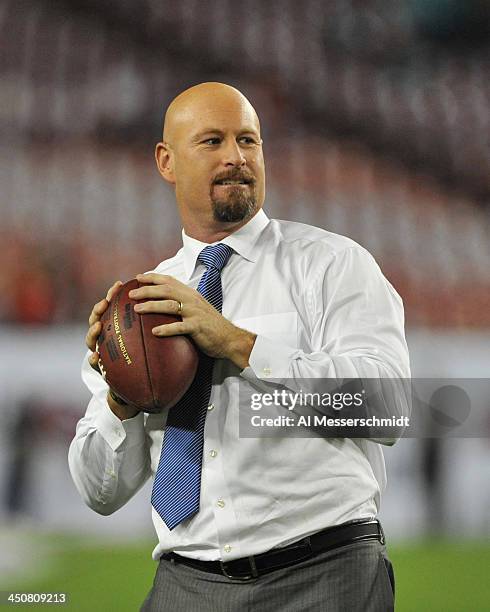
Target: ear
165, 162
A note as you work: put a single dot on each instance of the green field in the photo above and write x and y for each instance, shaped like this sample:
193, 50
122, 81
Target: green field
431, 576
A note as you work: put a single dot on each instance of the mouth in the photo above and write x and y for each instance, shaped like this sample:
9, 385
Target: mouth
234, 182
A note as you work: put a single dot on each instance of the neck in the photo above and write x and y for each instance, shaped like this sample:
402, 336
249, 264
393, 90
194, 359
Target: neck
214, 231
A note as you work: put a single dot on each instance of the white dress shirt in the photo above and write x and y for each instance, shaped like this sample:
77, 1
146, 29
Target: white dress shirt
321, 308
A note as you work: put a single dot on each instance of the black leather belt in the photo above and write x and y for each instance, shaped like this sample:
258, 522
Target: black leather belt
248, 568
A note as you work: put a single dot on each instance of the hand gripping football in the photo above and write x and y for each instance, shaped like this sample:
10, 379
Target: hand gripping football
149, 372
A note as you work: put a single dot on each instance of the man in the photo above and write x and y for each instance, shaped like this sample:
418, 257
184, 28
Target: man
248, 523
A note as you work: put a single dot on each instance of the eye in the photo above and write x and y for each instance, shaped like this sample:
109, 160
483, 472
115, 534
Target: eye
211, 141
248, 140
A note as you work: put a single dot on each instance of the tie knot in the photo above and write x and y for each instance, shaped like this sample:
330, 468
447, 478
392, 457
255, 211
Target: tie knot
215, 255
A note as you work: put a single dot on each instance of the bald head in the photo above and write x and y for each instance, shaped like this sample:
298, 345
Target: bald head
195, 104
212, 154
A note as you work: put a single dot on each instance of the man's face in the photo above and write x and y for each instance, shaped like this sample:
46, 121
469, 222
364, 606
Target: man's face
218, 161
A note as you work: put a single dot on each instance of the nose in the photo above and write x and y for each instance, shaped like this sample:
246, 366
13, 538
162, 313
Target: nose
233, 155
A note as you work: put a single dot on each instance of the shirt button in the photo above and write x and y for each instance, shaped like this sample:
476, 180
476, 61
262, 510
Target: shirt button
227, 548
213, 453
221, 503
267, 371
211, 406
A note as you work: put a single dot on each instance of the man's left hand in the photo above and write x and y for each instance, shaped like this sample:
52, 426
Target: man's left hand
215, 335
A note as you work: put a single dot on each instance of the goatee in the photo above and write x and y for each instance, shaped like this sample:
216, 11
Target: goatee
237, 207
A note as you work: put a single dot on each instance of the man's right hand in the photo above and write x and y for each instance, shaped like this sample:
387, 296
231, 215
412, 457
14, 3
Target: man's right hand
94, 329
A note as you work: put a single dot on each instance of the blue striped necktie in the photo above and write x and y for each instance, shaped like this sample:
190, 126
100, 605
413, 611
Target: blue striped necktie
177, 485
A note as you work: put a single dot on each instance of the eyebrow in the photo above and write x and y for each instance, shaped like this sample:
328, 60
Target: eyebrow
219, 132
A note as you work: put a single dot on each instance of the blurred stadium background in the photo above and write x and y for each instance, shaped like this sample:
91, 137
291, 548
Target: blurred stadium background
376, 123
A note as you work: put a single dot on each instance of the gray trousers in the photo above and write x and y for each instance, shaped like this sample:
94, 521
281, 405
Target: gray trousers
356, 577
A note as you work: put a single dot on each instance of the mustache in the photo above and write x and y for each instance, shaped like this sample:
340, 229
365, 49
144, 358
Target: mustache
234, 175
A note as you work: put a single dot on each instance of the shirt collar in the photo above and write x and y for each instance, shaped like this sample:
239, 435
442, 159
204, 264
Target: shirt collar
242, 242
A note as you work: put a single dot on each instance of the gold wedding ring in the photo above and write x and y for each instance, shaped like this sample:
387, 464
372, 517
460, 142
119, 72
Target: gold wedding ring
179, 310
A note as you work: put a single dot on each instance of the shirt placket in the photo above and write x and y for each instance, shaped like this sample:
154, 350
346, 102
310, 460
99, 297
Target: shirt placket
217, 493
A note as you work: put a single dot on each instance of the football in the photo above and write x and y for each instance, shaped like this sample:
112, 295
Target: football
146, 371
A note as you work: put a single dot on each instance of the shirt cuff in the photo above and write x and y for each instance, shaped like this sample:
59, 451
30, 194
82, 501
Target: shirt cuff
115, 432
269, 360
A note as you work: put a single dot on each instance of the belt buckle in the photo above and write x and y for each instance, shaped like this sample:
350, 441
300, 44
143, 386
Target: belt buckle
254, 573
